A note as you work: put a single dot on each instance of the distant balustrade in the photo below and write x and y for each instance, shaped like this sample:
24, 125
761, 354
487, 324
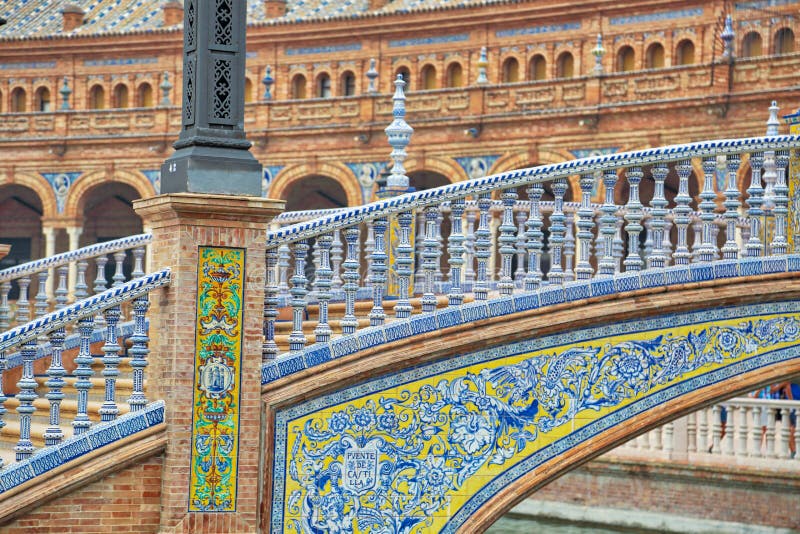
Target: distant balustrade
739, 431
502, 246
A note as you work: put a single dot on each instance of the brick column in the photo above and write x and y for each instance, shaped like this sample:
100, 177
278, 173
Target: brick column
182, 223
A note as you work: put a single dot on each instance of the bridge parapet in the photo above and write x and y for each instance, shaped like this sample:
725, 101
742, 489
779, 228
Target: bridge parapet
525, 254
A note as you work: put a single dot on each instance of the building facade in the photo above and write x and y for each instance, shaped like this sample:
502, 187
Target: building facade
90, 95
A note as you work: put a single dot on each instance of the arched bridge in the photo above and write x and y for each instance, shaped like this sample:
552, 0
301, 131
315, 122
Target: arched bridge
425, 361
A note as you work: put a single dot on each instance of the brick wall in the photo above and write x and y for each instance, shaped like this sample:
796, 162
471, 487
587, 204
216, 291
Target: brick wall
752, 497
126, 501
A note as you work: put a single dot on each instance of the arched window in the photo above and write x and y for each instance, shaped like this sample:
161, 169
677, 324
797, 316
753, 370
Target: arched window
144, 96
19, 101
121, 96
784, 41
428, 76
348, 87
299, 86
405, 73
566, 65
248, 91
684, 54
538, 68
455, 75
42, 99
625, 59
323, 86
751, 45
510, 70
97, 97
1, 101
654, 56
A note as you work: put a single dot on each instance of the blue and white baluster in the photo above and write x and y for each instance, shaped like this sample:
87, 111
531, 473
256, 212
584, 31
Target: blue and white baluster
284, 262
608, 224
438, 275
618, 243
23, 304
533, 238
100, 285
337, 255
297, 339
430, 258
138, 262
3, 398
697, 228
469, 246
5, 309
569, 247
683, 212
40, 300
754, 246
404, 264
109, 410
419, 247
27, 394
83, 373
119, 275
507, 241
322, 284
56, 372
730, 250
139, 350
633, 220
269, 350
369, 250
456, 251
351, 278
519, 273
780, 244
657, 259
483, 245
583, 270
81, 288
648, 237
377, 316
558, 232
667, 243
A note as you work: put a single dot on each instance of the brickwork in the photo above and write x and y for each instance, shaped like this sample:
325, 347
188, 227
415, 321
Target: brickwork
126, 501
739, 495
180, 224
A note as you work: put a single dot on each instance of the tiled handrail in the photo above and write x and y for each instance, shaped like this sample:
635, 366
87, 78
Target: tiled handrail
85, 253
70, 280
524, 177
52, 326
742, 427
524, 246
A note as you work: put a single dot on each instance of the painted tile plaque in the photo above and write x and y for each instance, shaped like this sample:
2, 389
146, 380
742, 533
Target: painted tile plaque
217, 378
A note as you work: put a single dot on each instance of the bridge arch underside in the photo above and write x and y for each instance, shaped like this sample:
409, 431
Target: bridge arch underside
446, 431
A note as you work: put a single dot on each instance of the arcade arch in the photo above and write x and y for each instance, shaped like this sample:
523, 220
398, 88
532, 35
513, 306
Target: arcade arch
294, 182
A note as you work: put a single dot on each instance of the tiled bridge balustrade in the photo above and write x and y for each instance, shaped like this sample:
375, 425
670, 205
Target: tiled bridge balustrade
507, 341
504, 341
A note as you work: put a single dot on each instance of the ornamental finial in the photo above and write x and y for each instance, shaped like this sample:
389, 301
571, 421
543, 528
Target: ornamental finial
268, 80
598, 52
65, 92
727, 38
166, 87
483, 62
372, 76
773, 123
399, 134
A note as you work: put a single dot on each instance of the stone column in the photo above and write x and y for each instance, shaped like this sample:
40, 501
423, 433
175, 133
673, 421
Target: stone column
194, 374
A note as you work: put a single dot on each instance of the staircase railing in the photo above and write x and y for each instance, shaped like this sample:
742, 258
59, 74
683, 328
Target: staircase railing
71, 268
553, 251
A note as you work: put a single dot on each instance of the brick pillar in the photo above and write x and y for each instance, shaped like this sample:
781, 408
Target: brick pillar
182, 224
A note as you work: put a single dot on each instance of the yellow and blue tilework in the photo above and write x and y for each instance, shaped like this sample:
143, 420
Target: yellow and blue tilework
422, 450
217, 378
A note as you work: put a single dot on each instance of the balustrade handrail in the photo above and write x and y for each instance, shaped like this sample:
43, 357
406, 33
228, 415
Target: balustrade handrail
522, 177
65, 258
755, 401
84, 308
